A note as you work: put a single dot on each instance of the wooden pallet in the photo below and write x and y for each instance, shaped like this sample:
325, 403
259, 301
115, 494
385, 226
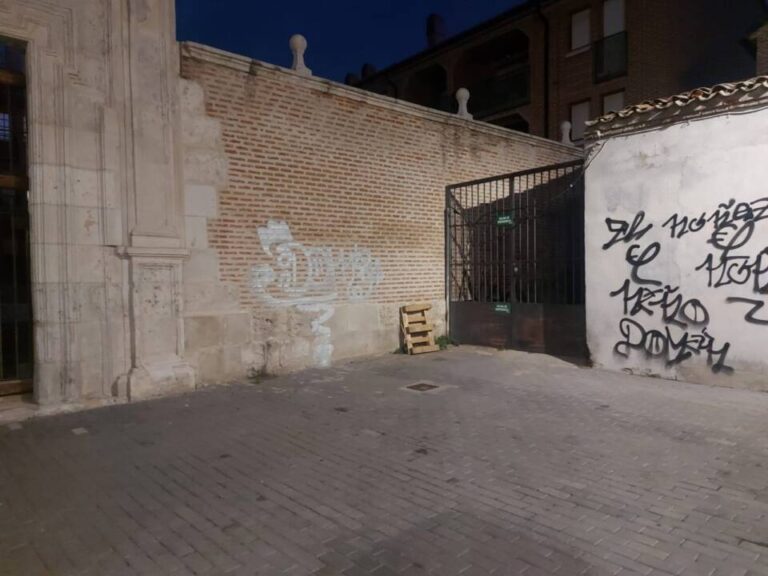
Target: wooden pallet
418, 331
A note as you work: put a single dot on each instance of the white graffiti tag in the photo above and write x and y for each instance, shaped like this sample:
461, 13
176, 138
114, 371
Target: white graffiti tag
311, 278
302, 274
323, 349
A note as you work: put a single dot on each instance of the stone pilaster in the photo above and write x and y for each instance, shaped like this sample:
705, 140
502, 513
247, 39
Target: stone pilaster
155, 251
158, 365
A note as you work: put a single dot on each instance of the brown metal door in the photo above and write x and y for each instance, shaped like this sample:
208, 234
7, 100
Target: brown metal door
16, 356
515, 261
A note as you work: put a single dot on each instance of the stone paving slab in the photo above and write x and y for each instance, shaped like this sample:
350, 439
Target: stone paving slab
516, 464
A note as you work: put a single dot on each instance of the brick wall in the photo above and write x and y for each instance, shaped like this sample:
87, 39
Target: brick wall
673, 47
332, 216
761, 38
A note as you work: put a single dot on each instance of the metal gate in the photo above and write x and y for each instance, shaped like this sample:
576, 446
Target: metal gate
515, 261
15, 275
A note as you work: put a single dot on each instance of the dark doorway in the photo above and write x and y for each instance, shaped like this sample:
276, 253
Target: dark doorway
16, 357
515, 257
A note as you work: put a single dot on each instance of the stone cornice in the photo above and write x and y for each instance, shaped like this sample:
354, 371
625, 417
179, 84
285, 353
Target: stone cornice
159, 252
247, 65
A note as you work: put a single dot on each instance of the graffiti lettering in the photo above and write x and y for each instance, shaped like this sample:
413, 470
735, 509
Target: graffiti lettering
647, 256
302, 274
732, 237
751, 316
323, 349
642, 294
727, 214
730, 270
733, 227
625, 232
663, 345
667, 300
310, 279
682, 225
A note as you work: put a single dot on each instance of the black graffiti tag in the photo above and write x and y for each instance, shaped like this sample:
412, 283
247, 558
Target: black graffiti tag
682, 225
726, 214
734, 225
751, 316
674, 309
625, 232
732, 237
642, 294
729, 269
663, 345
636, 260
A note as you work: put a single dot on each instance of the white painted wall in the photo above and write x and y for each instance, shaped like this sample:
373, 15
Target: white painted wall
687, 169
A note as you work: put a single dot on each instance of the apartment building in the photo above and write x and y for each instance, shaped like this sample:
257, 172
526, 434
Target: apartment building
547, 61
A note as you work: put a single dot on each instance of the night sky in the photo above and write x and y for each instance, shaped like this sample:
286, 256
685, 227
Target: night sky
342, 34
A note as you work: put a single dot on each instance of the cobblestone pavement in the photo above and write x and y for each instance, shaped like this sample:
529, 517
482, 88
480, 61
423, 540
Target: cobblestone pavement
516, 464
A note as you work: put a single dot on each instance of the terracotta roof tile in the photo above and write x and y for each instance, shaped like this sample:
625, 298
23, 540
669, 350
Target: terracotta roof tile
698, 102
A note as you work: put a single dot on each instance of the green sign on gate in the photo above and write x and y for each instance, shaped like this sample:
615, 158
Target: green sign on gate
502, 308
505, 219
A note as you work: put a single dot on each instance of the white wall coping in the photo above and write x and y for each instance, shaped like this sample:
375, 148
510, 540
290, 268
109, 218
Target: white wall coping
247, 65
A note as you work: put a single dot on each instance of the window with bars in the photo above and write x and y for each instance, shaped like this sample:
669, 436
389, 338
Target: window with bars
5, 127
16, 333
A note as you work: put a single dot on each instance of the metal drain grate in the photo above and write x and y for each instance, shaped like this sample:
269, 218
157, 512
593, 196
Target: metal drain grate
422, 386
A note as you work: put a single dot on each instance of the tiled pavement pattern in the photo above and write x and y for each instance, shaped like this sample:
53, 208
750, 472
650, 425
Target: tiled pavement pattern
517, 465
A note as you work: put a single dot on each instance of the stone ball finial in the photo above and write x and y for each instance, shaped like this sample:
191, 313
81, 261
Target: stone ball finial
298, 45
462, 97
565, 133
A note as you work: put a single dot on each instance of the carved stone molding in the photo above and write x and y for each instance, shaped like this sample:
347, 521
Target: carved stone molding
158, 365
52, 25
103, 123
48, 32
154, 215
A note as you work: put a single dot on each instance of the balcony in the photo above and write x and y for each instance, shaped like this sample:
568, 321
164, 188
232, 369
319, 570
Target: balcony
610, 57
506, 91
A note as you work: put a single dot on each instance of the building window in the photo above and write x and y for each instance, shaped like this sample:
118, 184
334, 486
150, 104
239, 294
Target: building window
580, 113
613, 102
613, 17
5, 127
611, 56
580, 30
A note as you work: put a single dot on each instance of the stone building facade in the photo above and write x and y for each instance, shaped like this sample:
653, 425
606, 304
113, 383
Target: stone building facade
189, 230
107, 237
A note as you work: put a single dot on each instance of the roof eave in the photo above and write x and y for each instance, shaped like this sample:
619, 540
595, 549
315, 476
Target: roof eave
696, 104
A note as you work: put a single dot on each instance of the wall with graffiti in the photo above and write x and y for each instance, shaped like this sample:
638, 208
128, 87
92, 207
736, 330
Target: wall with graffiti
677, 251
312, 280
331, 215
